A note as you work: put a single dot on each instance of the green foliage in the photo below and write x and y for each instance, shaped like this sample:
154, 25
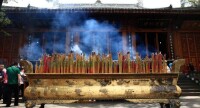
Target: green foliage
3, 22
194, 3
3, 19
190, 3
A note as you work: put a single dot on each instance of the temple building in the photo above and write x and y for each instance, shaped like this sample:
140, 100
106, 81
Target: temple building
102, 28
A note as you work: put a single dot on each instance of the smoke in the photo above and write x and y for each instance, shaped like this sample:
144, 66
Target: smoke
76, 49
81, 34
32, 51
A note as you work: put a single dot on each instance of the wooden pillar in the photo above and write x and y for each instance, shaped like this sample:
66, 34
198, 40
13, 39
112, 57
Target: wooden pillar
54, 42
177, 45
146, 44
187, 35
76, 38
134, 42
157, 43
195, 44
43, 43
108, 42
67, 50
124, 42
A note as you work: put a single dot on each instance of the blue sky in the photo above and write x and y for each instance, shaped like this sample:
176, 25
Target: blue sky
146, 3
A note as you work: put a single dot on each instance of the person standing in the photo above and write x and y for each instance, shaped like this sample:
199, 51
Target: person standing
4, 80
22, 84
14, 79
2, 72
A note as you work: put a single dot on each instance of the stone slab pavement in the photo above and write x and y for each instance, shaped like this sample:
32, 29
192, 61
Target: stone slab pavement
186, 102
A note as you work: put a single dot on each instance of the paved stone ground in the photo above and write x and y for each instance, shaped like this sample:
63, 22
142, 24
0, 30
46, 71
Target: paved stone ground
186, 102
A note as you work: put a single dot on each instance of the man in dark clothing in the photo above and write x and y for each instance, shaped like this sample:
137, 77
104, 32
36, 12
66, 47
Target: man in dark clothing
2, 69
14, 78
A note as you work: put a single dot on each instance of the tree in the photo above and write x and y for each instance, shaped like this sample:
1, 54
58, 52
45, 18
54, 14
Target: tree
3, 22
194, 3
1, 1
190, 3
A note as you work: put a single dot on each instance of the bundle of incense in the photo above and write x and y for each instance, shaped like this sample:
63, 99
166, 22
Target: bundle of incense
41, 67
57, 63
84, 68
156, 62
63, 56
152, 63
143, 67
65, 65
57, 60
133, 67
45, 64
128, 61
115, 66
120, 57
49, 63
138, 63
52, 64
81, 63
90, 64
147, 64
110, 62
106, 64
77, 63
93, 62
36, 67
98, 63
71, 61
124, 64
60, 63
164, 64
103, 63
87, 66
160, 70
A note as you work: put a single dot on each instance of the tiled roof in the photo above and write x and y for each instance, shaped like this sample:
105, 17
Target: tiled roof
99, 6
104, 8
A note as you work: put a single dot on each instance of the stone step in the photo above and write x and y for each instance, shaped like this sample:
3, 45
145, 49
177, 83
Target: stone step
189, 87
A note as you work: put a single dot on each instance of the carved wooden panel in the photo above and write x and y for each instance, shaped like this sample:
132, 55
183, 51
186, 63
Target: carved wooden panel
194, 62
6, 55
8, 44
5, 61
14, 59
192, 25
184, 47
197, 39
15, 54
191, 48
2, 44
191, 45
15, 45
198, 63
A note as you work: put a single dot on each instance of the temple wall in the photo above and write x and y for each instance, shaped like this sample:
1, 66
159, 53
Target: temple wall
186, 45
10, 45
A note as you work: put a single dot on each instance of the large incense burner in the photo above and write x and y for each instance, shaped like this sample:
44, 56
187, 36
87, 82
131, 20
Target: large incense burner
60, 80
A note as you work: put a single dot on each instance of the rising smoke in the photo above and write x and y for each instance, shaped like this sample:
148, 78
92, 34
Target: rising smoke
98, 36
